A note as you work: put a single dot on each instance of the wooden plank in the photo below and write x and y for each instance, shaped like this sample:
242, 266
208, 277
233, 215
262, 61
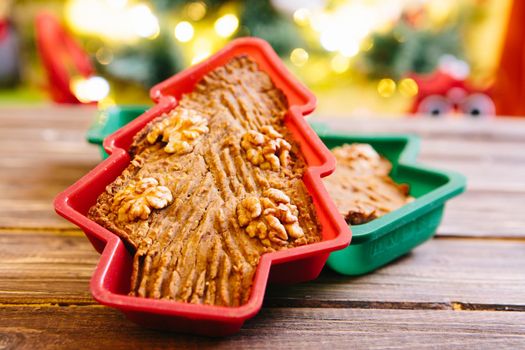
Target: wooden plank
441, 274
490, 130
58, 150
46, 267
439, 147
47, 116
43, 151
28, 186
484, 176
31, 214
473, 150
100, 328
40, 180
484, 214
493, 130
27, 198
501, 169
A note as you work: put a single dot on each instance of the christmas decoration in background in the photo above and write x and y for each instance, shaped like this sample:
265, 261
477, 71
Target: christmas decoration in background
444, 93
359, 56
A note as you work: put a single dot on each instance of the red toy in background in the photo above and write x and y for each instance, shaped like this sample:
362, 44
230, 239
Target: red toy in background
62, 57
446, 92
438, 94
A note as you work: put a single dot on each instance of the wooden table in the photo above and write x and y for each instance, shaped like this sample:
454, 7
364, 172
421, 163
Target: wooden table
466, 287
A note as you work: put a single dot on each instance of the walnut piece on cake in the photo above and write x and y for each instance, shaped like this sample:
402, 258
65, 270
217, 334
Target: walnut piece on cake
266, 148
180, 130
138, 198
271, 218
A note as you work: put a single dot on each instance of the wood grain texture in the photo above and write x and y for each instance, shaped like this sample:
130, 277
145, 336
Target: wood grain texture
43, 150
28, 187
485, 214
55, 268
462, 290
49, 327
489, 130
440, 274
45, 267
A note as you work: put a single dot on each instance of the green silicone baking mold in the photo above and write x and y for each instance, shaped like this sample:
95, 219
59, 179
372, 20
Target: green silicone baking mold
386, 238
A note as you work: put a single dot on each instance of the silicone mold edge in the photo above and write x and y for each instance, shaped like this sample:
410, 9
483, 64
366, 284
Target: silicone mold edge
336, 234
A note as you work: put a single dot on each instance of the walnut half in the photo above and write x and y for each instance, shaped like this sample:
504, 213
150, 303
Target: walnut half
138, 198
180, 130
266, 148
271, 218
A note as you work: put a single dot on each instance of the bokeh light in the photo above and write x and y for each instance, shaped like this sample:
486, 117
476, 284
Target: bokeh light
340, 63
408, 87
196, 10
90, 89
302, 16
226, 25
184, 31
299, 57
104, 56
112, 20
202, 49
386, 87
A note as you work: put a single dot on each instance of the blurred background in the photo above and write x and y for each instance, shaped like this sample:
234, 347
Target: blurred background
360, 57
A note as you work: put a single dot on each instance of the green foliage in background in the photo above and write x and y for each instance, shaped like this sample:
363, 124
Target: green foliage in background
147, 63
406, 49
260, 19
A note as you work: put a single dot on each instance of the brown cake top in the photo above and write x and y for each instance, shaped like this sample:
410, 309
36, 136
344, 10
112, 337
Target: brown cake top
212, 185
361, 186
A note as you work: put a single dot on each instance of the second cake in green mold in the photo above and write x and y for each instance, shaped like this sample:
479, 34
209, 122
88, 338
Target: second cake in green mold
361, 186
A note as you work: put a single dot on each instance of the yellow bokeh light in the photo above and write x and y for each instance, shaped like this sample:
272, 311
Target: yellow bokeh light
184, 31
350, 49
90, 89
226, 25
299, 57
104, 56
441, 11
316, 72
340, 64
200, 57
302, 16
118, 4
386, 87
196, 10
112, 20
408, 87
202, 49
144, 22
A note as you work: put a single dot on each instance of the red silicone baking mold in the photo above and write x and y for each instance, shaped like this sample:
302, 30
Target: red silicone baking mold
111, 280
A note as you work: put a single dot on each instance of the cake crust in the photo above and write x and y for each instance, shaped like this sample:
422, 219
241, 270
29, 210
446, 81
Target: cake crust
361, 186
234, 177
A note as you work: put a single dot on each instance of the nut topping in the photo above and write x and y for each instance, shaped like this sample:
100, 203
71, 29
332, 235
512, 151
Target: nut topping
267, 148
138, 198
249, 208
180, 130
271, 218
